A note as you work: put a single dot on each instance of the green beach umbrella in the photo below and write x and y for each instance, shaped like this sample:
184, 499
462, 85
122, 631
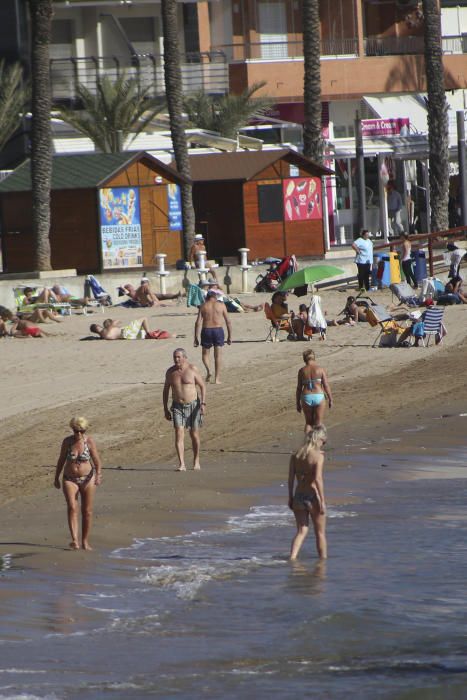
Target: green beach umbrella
310, 275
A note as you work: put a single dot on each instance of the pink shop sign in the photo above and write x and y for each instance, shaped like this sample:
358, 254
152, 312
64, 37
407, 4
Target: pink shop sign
397, 126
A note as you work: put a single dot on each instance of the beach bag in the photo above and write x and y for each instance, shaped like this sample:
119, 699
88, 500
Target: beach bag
418, 329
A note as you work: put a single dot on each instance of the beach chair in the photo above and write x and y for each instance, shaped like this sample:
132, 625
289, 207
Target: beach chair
21, 307
405, 294
101, 297
378, 316
277, 325
433, 325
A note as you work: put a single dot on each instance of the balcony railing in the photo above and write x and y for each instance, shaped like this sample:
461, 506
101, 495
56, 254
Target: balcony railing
393, 45
283, 50
200, 71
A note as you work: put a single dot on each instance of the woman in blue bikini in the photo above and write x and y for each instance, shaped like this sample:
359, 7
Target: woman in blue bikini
82, 472
312, 391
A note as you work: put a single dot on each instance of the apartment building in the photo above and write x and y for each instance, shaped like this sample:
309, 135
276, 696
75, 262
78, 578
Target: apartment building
371, 61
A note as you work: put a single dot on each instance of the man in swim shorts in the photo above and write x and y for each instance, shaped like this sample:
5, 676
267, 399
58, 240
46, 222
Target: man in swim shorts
211, 317
188, 404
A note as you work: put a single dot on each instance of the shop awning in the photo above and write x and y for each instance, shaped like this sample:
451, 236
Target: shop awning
412, 106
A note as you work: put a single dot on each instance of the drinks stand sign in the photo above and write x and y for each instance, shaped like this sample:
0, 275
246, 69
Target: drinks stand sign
120, 224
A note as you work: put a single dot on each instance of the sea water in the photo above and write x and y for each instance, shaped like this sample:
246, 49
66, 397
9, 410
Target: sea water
221, 613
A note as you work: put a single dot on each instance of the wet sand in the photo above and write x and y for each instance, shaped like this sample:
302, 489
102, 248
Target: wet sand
118, 386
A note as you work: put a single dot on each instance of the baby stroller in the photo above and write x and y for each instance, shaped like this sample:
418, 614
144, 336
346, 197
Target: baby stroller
278, 271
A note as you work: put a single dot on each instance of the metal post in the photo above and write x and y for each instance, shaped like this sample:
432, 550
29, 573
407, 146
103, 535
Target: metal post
383, 201
244, 267
162, 272
462, 165
360, 172
426, 183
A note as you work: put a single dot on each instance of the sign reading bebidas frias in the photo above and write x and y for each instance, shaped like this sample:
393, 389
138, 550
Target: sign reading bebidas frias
120, 225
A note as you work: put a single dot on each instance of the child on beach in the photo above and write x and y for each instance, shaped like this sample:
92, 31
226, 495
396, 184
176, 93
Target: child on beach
306, 468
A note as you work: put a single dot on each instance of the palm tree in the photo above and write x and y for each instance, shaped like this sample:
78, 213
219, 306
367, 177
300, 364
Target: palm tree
119, 108
438, 125
226, 114
41, 12
174, 94
312, 140
14, 97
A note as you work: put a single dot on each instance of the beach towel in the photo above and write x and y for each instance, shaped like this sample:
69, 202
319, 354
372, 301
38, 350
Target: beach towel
158, 335
194, 295
315, 315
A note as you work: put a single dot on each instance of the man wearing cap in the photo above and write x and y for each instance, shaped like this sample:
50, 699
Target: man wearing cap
364, 258
197, 248
211, 317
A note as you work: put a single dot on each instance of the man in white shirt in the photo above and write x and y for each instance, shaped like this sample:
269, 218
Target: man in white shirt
363, 248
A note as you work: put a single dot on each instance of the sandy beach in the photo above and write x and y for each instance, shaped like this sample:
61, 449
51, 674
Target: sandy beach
118, 386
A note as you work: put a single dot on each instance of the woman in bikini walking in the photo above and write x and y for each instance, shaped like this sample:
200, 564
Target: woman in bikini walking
312, 390
82, 472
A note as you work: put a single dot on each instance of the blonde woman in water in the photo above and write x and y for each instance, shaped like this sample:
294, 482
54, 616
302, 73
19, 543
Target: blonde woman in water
306, 468
82, 472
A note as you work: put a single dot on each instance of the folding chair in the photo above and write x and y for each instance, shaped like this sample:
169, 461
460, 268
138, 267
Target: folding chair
404, 292
378, 316
433, 323
21, 306
277, 325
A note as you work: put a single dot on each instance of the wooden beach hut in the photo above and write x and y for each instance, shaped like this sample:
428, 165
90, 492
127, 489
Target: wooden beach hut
108, 211
268, 201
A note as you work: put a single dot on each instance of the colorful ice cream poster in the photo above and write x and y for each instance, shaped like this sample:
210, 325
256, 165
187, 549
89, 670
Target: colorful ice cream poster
120, 222
302, 199
174, 207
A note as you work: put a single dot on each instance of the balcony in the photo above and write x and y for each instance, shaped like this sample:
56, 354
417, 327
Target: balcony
393, 45
200, 71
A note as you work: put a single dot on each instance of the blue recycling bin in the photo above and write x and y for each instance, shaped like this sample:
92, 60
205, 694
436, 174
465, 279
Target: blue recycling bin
420, 265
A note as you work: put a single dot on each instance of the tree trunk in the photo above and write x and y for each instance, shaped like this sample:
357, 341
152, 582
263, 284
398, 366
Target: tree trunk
174, 94
312, 139
438, 127
41, 133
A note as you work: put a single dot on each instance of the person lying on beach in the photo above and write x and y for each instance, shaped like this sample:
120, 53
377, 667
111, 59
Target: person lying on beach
312, 391
82, 472
135, 330
306, 469
20, 328
54, 295
233, 304
352, 314
188, 404
144, 296
40, 316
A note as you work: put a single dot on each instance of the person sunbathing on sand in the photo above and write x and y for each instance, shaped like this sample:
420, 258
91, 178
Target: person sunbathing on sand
135, 330
20, 328
144, 296
306, 468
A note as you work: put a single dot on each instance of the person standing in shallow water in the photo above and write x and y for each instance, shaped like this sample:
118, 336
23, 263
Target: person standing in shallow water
188, 404
82, 472
306, 468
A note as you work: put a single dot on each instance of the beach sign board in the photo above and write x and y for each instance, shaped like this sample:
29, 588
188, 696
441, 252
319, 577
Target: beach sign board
174, 207
302, 198
394, 126
120, 225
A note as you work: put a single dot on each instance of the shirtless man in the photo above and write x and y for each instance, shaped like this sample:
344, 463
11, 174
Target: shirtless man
211, 317
188, 404
144, 294
197, 248
112, 330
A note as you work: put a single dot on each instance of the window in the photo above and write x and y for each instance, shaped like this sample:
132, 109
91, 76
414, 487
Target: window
270, 204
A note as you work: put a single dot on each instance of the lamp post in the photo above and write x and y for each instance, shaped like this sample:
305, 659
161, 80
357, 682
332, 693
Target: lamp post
462, 165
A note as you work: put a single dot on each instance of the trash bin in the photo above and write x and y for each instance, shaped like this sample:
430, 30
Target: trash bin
420, 264
388, 269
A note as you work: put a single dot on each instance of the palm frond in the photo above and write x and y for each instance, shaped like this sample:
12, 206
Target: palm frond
14, 97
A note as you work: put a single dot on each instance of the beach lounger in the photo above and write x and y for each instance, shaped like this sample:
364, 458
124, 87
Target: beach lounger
377, 315
433, 325
404, 292
21, 307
